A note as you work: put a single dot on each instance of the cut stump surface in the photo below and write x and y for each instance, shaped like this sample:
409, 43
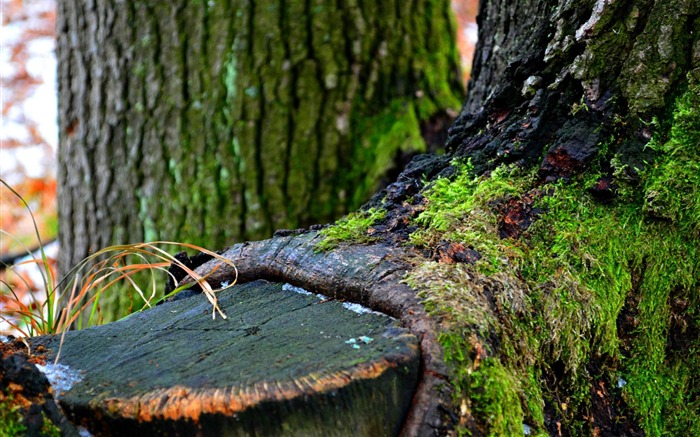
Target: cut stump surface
283, 362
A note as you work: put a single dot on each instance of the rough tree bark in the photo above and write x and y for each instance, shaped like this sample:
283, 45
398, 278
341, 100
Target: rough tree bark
217, 121
559, 266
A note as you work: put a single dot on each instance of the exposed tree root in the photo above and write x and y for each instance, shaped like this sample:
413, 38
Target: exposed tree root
369, 275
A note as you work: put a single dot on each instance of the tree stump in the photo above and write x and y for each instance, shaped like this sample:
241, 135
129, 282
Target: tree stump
282, 362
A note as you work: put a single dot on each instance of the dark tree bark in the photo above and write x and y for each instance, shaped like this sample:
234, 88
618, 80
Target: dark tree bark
537, 63
218, 121
579, 324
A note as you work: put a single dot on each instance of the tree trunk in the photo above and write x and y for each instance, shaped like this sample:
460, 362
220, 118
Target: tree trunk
218, 121
557, 241
562, 77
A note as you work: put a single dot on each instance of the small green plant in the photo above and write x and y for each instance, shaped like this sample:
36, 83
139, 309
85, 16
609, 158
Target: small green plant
79, 292
581, 105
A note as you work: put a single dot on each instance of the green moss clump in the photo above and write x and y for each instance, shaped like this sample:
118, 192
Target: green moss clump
665, 359
673, 187
11, 420
494, 389
48, 428
590, 294
458, 210
354, 227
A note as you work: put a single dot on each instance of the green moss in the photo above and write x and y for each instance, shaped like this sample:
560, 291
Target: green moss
611, 287
494, 393
355, 227
230, 72
458, 210
11, 420
677, 171
48, 428
436, 60
663, 377
379, 140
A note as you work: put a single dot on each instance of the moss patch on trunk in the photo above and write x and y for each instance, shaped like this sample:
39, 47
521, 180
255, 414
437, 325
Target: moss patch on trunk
593, 304
354, 227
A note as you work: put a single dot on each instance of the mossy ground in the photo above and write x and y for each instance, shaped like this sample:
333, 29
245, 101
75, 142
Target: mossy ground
592, 298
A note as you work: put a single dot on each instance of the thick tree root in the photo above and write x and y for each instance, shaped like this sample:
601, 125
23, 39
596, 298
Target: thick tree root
368, 275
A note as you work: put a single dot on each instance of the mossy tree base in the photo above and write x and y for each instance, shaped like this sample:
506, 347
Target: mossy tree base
556, 246
552, 256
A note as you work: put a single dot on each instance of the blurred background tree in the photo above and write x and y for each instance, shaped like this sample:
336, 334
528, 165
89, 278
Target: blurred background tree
214, 122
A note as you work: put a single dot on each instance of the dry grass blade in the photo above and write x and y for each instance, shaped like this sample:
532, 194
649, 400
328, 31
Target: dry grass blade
68, 301
86, 295
106, 272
